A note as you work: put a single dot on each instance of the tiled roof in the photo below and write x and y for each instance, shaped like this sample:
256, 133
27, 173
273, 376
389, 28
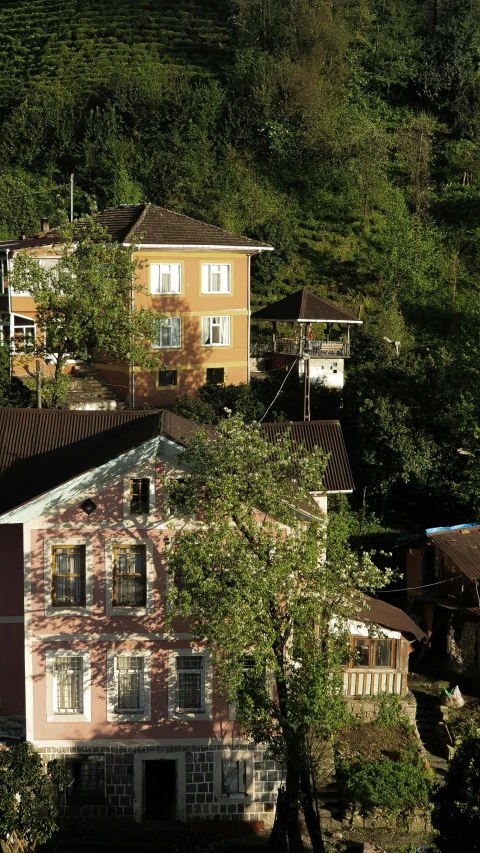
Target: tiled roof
388, 616
303, 306
40, 450
329, 437
461, 544
151, 225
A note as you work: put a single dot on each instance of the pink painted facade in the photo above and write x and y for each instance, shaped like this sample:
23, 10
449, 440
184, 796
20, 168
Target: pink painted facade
173, 760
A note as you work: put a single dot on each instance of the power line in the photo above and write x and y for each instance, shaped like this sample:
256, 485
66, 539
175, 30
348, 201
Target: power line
278, 392
424, 586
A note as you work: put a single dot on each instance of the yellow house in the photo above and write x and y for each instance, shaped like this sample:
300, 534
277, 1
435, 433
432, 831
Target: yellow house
194, 274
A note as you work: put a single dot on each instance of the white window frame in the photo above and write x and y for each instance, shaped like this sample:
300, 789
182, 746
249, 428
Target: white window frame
227, 754
155, 275
146, 472
52, 714
211, 325
15, 329
224, 270
113, 714
36, 258
117, 610
78, 609
164, 322
173, 712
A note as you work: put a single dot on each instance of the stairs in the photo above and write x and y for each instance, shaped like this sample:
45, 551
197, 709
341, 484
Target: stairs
426, 720
89, 390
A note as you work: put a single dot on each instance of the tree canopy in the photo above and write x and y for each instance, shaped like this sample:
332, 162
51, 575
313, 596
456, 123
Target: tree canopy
86, 300
261, 582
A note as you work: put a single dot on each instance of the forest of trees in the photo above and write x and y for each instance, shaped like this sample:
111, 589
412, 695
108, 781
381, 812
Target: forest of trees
346, 134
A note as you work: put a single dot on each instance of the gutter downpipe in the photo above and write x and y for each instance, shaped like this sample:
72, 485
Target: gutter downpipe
248, 318
132, 306
10, 315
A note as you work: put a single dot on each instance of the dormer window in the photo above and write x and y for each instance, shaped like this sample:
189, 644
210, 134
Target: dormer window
140, 496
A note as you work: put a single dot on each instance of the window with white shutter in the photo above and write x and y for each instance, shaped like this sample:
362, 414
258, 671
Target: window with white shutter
165, 278
169, 333
215, 278
215, 331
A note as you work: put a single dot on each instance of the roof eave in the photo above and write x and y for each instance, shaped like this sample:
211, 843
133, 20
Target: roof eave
204, 246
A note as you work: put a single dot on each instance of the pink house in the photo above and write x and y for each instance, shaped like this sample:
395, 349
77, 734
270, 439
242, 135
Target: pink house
90, 664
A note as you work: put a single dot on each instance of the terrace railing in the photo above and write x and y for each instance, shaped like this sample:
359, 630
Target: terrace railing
292, 346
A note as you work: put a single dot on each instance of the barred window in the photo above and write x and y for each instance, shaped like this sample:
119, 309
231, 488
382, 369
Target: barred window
234, 777
130, 683
139, 496
68, 575
68, 685
129, 576
190, 683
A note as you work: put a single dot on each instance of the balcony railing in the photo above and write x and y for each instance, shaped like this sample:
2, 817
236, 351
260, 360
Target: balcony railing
290, 346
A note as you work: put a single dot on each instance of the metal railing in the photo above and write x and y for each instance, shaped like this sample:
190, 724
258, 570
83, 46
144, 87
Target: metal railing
290, 346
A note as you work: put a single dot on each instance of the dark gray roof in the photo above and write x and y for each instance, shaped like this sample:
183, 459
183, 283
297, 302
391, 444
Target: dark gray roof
388, 616
150, 224
302, 307
461, 544
40, 450
329, 437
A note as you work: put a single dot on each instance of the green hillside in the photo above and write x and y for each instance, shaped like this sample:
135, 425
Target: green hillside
83, 41
346, 134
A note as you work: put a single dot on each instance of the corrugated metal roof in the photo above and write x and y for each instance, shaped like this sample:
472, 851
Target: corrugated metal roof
150, 224
303, 306
329, 437
461, 544
388, 616
43, 449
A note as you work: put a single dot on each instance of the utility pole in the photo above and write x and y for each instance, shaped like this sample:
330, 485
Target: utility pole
71, 197
306, 372
38, 378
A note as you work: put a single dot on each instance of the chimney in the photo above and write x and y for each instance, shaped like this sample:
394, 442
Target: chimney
45, 225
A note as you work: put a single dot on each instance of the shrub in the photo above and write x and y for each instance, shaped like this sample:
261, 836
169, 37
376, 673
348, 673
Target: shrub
456, 813
390, 787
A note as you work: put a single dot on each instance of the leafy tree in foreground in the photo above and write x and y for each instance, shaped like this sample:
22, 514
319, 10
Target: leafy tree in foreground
257, 584
85, 301
456, 813
28, 794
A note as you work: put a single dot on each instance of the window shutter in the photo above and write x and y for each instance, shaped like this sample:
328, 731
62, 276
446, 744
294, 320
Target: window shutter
175, 278
175, 325
205, 277
225, 278
225, 330
154, 278
205, 330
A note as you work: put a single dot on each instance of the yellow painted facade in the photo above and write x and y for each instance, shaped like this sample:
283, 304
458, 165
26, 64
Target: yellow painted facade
196, 276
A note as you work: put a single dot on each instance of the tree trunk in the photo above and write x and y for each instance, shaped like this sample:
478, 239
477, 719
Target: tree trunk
312, 819
286, 819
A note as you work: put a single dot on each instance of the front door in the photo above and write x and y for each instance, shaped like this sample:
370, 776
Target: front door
160, 789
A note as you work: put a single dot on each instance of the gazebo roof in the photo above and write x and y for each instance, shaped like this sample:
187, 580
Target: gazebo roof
304, 307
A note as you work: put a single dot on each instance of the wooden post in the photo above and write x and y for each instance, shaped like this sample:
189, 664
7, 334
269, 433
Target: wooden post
274, 336
38, 379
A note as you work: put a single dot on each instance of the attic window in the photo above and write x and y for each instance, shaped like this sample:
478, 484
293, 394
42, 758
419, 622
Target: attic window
139, 496
88, 506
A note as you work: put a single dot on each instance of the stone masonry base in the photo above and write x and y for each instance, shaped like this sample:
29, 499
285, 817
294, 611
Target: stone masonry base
119, 779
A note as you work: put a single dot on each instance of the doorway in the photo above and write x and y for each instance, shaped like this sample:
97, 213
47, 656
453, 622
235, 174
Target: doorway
160, 789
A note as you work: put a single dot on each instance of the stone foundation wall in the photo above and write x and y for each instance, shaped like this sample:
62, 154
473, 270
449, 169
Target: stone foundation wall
201, 793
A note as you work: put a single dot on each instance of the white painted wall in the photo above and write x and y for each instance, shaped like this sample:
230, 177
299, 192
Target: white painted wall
330, 371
